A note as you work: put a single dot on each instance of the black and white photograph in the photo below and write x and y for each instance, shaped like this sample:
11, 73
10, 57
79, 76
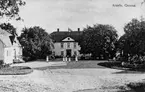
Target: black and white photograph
72, 45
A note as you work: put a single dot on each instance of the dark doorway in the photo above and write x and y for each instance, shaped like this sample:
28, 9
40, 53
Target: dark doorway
68, 52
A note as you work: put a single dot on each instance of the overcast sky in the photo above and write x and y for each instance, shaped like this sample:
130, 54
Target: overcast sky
53, 14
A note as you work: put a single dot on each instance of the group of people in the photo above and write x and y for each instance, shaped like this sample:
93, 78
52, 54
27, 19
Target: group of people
69, 59
64, 58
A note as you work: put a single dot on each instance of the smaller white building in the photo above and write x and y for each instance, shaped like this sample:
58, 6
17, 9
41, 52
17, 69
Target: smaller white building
10, 48
66, 43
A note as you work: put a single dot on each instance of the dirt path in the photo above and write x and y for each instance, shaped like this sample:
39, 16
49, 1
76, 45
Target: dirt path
68, 80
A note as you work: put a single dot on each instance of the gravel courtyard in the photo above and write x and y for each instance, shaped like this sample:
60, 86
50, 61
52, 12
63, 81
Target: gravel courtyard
69, 80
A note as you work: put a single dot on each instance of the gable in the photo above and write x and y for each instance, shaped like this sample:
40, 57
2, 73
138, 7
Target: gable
59, 36
68, 39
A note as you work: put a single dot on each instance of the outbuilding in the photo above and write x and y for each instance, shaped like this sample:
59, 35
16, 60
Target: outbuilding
10, 48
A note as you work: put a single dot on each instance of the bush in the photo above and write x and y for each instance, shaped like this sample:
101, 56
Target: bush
58, 56
28, 58
86, 57
133, 62
1, 62
136, 87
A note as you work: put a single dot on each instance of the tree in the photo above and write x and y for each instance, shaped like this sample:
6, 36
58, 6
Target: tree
9, 28
10, 8
99, 40
132, 43
36, 43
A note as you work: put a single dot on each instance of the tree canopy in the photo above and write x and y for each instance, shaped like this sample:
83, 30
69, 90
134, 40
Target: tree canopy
36, 43
99, 40
10, 8
132, 42
9, 28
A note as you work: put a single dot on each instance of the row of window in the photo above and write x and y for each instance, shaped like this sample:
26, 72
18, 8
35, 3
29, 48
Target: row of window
68, 45
62, 53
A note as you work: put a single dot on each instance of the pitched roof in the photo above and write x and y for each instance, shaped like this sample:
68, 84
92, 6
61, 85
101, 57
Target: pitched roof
58, 36
6, 38
6, 41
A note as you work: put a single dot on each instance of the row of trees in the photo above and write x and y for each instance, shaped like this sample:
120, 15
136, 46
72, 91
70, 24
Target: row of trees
102, 40
99, 40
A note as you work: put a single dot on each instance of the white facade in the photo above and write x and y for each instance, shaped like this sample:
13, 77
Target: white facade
10, 48
66, 46
12, 53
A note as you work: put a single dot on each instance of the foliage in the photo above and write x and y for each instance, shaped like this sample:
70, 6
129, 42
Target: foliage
10, 8
132, 43
36, 43
1, 62
99, 40
136, 87
9, 28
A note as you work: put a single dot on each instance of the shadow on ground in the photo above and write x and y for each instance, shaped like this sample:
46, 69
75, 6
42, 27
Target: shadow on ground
129, 72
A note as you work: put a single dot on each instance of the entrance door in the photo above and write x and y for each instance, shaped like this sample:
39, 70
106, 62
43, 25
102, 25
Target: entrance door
68, 52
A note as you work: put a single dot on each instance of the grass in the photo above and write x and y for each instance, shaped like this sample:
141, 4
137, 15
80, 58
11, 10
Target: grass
15, 70
75, 65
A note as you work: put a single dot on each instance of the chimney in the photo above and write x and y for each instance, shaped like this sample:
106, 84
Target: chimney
57, 29
78, 29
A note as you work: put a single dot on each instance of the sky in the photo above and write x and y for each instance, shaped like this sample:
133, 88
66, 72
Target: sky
64, 14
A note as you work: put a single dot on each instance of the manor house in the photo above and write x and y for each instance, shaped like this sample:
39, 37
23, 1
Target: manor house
66, 42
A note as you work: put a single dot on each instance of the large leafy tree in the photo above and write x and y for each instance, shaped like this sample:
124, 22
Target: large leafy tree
9, 28
10, 8
36, 43
133, 41
99, 40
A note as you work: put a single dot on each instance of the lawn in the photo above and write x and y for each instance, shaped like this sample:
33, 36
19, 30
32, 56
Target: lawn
15, 70
76, 65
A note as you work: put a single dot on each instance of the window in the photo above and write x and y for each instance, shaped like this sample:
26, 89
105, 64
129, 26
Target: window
68, 38
62, 53
68, 45
61, 45
75, 45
